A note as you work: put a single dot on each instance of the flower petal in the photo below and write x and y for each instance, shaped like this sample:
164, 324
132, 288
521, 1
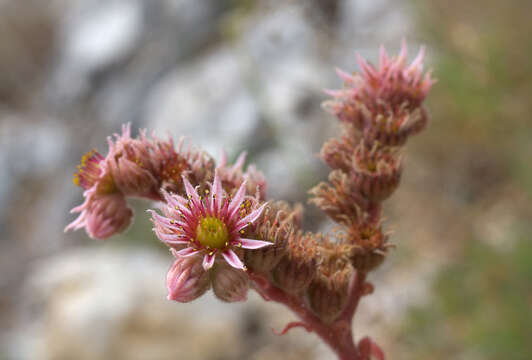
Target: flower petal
237, 200
191, 192
253, 244
216, 193
348, 78
188, 251
174, 239
233, 260
239, 162
208, 261
250, 218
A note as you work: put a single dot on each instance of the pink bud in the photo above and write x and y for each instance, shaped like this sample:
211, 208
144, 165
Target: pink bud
108, 215
186, 279
229, 284
102, 215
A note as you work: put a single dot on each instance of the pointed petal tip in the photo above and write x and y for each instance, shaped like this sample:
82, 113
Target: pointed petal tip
233, 260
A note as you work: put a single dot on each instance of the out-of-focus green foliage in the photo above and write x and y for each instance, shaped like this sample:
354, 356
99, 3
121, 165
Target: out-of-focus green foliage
481, 52
482, 307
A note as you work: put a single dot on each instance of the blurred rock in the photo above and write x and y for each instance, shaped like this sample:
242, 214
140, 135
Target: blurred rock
108, 304
206, 100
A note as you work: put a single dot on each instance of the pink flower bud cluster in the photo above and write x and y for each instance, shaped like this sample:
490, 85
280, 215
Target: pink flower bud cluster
378, 109
384, 103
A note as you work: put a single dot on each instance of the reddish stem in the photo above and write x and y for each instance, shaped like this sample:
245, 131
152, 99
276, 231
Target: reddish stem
338, 335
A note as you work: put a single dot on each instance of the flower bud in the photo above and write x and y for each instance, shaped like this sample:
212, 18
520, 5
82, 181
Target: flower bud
186, 279
394, 129
132, 179
327, 293
276, 224
384, 102
338, 153
370, 248
108, 215
376, 172
339, 198
229, 284
233, 176
297, 268
102, 215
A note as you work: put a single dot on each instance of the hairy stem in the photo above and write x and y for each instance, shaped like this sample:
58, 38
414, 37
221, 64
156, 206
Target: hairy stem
338, 335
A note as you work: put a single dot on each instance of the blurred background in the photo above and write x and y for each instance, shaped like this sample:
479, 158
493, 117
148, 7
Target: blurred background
248, 75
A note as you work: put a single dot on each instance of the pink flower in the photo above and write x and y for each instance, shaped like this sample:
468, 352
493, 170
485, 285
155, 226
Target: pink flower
104, 211
186, 279
208, 226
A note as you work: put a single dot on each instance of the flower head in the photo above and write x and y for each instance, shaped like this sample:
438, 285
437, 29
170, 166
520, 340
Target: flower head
210, 225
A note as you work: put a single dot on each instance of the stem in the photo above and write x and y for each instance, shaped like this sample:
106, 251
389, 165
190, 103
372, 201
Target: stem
338, 335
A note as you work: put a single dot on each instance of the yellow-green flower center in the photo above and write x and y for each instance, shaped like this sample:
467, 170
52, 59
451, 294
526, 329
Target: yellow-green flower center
212, 233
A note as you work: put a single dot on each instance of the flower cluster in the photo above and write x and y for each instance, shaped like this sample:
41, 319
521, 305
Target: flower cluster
385, 102
378, 109
138, 167
224, 236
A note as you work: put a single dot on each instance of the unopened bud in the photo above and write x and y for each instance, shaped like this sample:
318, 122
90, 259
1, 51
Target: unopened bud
370, 248
102, 215
229, 284
186, 279
297, 269
328, 295
376, 172
277, 223
394, 129
131, 178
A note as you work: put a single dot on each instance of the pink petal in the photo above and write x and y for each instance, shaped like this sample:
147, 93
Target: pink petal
223, 159
216, 193
174, 239
348, 78
383, 57
365, 67
334, 93
417, 64
233, 260
164, 221
251, 218
174, 200
191, 192
237, 200
239, 161
186, 252
253, 244
208, 261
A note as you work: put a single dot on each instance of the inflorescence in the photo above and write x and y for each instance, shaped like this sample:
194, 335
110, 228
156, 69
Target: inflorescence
223, 234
